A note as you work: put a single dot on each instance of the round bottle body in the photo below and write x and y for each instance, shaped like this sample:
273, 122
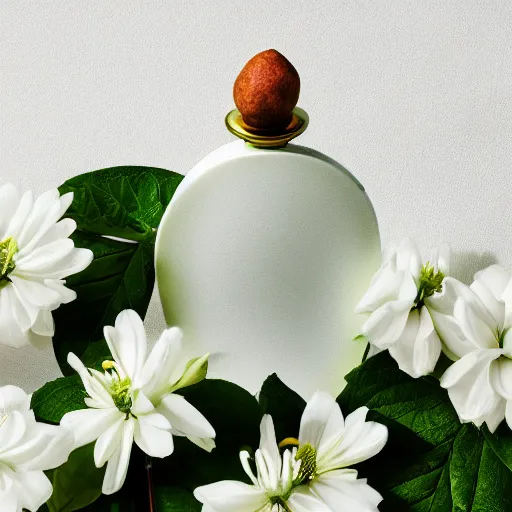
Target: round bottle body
261, 257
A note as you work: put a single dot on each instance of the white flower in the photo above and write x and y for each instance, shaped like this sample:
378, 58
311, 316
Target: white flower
475, 324
396, 300
272, 488
26, 449
119, 410
35, 257
328, 445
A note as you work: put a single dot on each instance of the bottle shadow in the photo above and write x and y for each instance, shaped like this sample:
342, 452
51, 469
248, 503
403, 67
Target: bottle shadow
465, 264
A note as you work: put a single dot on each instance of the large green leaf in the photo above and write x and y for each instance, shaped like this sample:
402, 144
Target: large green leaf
122, 202
76, 483
432, 462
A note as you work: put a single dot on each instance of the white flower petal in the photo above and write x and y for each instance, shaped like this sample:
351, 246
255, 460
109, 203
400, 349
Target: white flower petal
12, 430
387, 323
303, 499
11, 315
268, 444
13, 398
508, 414
47, 210
507, 341
205, 443
473, 362
489, 285
75, 262
88, 424
442, 259
9, 495
495, 415
62, 229
127, 343
479, 330
160, 366
342, 490
495, 279
9, 200
418, 348
54, 446
469, 386
153, 436
359, 441
20, 216
231, 496
507, 299
108, 442
94, 387
34, 293
501, 377
117, 466
384, 288
409, 258
34, 489
322, 418
41, 262
44, 325
185, 417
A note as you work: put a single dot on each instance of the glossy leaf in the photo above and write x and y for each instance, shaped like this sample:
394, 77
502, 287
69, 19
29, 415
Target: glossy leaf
58, 397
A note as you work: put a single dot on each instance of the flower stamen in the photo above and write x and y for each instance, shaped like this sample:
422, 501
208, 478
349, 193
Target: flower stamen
120, 388
8, 249
430, 282
289, 441
306, 454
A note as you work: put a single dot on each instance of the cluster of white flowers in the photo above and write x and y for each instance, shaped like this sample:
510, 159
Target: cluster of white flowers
134, 399
314, 475
416, 310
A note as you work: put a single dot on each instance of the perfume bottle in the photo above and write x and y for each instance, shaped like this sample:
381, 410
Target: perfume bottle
267, 246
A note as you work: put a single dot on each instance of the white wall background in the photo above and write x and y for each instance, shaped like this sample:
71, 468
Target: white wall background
413, 96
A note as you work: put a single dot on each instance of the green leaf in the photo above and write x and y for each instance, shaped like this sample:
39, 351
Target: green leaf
233, 412
126, 202
58, 397
284, 405
174, 499
432, 463
122, 202
76, 483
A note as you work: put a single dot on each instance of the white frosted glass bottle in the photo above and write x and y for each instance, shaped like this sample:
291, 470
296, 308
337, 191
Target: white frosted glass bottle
261, 258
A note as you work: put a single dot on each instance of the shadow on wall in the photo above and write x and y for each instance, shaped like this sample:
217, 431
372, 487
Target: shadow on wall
465, 264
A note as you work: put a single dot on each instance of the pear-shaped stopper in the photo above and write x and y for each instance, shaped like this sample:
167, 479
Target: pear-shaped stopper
266, 91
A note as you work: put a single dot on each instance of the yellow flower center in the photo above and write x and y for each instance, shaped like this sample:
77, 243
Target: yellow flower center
120, 388
8, 248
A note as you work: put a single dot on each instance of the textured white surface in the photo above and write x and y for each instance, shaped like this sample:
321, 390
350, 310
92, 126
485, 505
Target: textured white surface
415, 98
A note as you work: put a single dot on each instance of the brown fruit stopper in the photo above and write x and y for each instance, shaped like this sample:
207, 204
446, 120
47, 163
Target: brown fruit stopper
267, 90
